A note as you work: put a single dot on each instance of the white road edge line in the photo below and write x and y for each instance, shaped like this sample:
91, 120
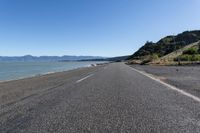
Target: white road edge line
78, 81
168, 85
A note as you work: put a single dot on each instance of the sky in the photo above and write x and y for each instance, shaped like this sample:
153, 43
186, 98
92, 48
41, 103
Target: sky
91, 27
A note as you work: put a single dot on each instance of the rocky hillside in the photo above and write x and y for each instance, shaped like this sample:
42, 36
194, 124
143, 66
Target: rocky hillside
167, 44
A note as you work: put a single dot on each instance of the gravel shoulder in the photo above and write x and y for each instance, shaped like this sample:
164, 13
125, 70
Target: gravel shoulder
183, 77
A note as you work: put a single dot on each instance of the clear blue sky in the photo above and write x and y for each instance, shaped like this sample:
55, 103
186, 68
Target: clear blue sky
90, 27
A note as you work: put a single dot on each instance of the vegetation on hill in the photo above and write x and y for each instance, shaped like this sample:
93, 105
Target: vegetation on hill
167, 45
190, 51
191, 54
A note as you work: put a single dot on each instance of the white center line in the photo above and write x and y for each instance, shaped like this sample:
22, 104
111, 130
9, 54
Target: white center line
168, 85
78, 81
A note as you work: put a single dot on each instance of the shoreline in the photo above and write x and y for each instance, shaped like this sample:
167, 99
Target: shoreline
49, 73
20, 89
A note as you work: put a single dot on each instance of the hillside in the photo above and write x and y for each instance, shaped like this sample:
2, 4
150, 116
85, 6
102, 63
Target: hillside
167, 44
173, 55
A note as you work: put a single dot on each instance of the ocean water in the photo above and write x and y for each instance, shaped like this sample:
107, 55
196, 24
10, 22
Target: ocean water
19, 70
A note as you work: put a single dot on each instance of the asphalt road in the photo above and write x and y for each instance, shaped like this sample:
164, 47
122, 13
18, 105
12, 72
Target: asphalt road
110, 98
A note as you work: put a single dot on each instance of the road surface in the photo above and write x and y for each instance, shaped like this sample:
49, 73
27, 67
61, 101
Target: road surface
109, 98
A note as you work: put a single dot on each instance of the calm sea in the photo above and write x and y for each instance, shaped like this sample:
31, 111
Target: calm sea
18, 70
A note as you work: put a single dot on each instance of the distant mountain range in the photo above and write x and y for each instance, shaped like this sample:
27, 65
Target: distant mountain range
115, 59
48, 58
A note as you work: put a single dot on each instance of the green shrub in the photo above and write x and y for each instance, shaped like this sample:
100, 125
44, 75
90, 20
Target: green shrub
149, 58
190, 51
153, 57
184, 58
195, 57
189, 57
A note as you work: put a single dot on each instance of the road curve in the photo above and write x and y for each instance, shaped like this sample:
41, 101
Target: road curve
109, 98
